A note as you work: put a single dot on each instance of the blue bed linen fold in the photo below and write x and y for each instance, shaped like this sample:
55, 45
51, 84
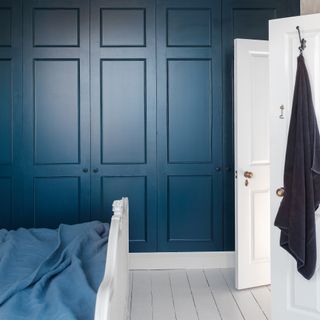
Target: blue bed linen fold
52, 274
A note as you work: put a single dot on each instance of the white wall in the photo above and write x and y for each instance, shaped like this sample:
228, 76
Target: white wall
310, 6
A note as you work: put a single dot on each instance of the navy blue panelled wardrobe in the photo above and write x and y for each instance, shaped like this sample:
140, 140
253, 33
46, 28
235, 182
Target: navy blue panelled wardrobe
101, 99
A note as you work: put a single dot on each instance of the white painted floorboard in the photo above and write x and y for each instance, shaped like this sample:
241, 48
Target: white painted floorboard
262, 296
141, 304
195, 295
163, 306
204, 301
182, 296
244, 298
225, 301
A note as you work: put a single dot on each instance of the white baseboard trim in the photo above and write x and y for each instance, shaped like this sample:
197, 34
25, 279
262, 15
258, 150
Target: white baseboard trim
181, 260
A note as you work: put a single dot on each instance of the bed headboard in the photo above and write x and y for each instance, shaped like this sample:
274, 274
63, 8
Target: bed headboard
112, 296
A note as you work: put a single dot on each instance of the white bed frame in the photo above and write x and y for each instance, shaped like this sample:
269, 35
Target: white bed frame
112, 296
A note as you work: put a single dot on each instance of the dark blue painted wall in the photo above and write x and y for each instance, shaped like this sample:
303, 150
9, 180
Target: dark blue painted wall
124, 98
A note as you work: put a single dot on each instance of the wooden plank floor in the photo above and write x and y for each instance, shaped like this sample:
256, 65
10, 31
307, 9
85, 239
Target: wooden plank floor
195, 295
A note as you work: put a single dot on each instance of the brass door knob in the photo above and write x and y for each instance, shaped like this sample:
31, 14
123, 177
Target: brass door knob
248, 174
280, 192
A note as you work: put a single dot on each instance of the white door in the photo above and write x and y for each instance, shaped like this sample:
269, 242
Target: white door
252, 162
293, 297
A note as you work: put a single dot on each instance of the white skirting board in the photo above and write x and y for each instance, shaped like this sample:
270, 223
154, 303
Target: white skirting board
181, 260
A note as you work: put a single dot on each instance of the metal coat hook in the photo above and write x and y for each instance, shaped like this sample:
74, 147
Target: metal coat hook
281, 112
302, 41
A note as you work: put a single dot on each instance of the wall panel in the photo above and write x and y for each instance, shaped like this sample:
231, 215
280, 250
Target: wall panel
310, 6
252, 23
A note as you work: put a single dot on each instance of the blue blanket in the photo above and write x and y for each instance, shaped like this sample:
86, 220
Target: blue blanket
52, 274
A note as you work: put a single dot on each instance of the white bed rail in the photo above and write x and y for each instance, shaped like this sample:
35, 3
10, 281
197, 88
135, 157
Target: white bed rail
112, 296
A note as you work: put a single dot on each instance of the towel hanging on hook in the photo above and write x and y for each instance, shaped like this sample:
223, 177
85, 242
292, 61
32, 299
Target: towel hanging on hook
301, 193
303, 41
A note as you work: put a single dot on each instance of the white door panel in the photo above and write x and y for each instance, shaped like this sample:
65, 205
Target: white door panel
293, 297
252, 140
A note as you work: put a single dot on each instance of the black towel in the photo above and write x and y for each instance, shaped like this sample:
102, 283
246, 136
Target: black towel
296, 215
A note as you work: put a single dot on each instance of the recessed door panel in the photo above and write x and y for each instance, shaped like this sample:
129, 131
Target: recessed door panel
188, 27
6, 202
56, 201
123, 27
190, 208
135, 189
189, 110
123, 111
56, 27
56, 111
6, 112
259, 152
5, 27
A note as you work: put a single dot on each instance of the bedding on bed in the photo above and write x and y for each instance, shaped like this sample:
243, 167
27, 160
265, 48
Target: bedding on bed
52, 274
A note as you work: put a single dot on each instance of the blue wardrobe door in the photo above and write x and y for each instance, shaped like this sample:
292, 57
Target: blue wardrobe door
189, 123
56, 113
123, 114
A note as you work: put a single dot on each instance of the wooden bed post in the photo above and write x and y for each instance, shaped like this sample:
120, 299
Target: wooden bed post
112, 296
